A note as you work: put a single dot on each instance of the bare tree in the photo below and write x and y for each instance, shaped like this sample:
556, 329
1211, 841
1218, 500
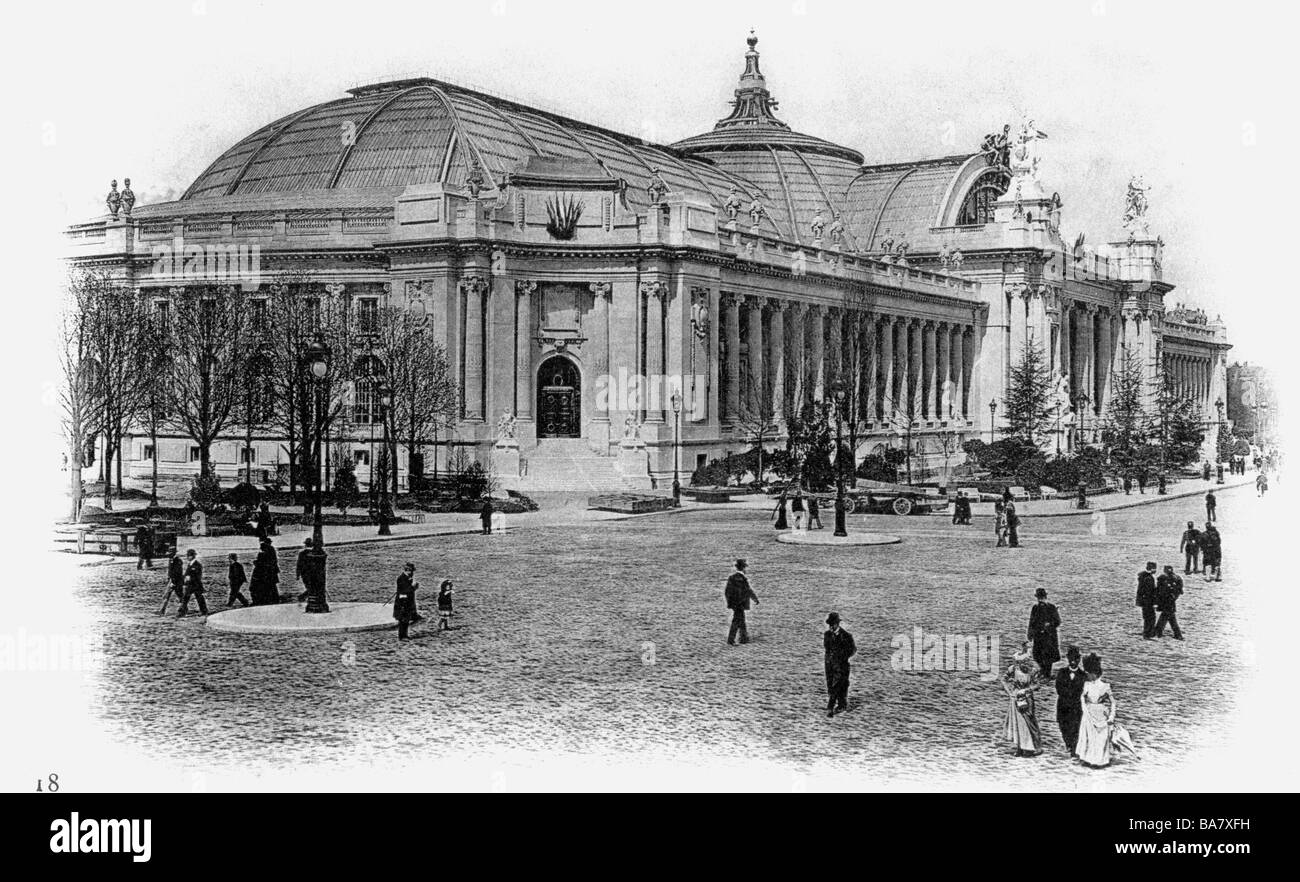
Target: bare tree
425, 395
157, 355
117, 324
208, 344
900, 417
78, 397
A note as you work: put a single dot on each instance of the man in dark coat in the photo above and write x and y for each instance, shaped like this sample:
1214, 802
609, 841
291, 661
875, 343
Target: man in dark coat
1211, 506
485, 516
1169, 587
237, 578
1146, 599
175, 579
193, 584
840, 648
144, 546
1190, 547
265, 522
404, 601
266, 576
1044, 620
1212, 553
1069, 706
303, 569
738, 595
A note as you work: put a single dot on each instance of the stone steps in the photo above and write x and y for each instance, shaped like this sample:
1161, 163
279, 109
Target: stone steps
571, 464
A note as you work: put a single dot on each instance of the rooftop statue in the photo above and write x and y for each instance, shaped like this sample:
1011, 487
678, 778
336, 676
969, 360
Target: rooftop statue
657, 189
113, 201
733, 204
1135, 206
128, 198
997, 147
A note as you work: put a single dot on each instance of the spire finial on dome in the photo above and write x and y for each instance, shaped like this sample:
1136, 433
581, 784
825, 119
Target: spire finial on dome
752, 40
753, 104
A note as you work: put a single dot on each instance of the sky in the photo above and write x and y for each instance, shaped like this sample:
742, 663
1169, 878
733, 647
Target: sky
1196, 97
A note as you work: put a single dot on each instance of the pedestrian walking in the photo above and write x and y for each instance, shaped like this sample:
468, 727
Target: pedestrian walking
1128, 484
144, 545
1146, 599
444, 605
1044, 621
263, 589
797, 509
1212, 553
738, 594
237, 579
175, 579
265, 522
1205, 471
839, 647
1190, 547
1000, 523
1019, 682
1211, 506
1261, 483
404, 601
303, 568
965, 509
1169, 587
485, 516
779, 512
814, 513
1161, 484
1013, 525
1069, 694
1142, 482
193, 585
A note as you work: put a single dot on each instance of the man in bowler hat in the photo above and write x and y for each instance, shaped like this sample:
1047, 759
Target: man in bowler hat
839, 649
1169, 587
1069, 706
738, 595
1146, 599
1043, 622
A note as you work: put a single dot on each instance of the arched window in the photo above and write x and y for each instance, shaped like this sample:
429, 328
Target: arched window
980, 198
368, 371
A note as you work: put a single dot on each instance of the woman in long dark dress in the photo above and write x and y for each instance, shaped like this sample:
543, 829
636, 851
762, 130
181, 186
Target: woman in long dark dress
263, 589
779, 511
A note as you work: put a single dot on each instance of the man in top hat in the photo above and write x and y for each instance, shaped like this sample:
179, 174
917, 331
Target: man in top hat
1044, 620
839, 649
738, 595
1169, 587
1069, 692
193, 585
1146, 599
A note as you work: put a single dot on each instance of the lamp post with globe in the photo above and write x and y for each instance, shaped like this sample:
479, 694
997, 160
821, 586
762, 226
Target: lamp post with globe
318, 363
677, 447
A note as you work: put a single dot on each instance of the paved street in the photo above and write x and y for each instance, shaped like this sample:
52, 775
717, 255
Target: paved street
608, 639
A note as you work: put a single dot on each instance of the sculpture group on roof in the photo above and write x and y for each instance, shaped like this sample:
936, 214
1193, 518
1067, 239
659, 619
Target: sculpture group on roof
121, 202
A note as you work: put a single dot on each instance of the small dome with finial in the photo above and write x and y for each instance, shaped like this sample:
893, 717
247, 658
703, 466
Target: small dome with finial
752, 40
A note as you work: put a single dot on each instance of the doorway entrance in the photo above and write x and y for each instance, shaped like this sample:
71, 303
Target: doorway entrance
559, 399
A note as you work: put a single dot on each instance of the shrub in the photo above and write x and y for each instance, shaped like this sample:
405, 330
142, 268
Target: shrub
346, 489
243, 495
205, 493
875, 467
714, 474
471, 483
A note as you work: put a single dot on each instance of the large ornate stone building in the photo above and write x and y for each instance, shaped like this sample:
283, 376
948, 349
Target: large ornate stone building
578, 276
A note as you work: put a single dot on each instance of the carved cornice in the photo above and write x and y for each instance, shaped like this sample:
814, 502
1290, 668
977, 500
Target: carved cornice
525, 288
473, 284
658, 290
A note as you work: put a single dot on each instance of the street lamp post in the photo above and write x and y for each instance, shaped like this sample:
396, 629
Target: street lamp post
385, 408
993, 409
677, 446
838, 391
318, 361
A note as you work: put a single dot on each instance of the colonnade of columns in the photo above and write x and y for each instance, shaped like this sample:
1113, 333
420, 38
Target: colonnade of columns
1194, 376
779, 353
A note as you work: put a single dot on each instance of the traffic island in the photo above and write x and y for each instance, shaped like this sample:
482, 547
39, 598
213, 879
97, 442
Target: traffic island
826, 537
292, 618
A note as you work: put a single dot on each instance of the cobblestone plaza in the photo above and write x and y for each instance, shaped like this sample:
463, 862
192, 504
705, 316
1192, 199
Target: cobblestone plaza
607, 641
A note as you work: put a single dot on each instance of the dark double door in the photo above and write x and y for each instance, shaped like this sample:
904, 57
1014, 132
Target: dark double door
559, 399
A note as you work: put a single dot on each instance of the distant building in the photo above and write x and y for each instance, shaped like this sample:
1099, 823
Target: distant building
1252, 402
578, 276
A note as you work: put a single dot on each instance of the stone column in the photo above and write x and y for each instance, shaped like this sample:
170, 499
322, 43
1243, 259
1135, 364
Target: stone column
654, 294
966, 334
872, 360
902, 359
473, 374
1078, 355
524, 349
755, 387
817, 365
1017, 322
885, 400
915, 359
945, 370
1106, 360
797, 372
1066, 341
776, 354
601, 293
834, 353
930, 373
731, 331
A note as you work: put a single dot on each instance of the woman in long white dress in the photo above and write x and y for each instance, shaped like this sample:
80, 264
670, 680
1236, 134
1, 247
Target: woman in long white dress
1021, 727
1099, 734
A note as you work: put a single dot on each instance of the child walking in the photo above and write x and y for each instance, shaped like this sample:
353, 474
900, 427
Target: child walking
444, 605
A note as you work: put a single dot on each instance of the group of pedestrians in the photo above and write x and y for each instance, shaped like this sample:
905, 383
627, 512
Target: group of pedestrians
805, 510
406, 609
185, 579
1006, 521
1202, 550
1085, 704
961, 510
